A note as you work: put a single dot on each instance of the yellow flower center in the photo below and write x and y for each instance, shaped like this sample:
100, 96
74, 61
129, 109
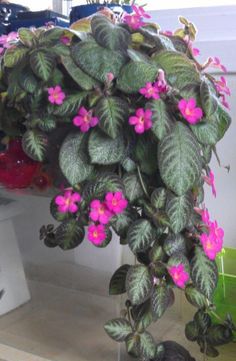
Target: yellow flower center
95, 234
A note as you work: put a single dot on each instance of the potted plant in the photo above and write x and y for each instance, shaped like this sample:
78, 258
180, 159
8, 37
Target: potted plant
125, 120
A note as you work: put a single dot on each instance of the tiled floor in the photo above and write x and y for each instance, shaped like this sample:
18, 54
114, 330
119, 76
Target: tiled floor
61, 324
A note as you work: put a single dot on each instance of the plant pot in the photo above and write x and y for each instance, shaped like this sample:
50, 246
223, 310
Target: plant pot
82, 11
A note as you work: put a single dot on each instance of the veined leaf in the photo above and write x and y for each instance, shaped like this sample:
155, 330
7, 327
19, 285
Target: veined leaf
70, 105
69, 234
14, 55
204, 273
147, 345
112, 113
28, 81
195, 297
179, 159
174, 243
118, 329
42, 63
133, 188
27, 37
208, 99
109, 35
162, 120
140, 235
35, 144
138, 284
135, 75
133, 345
158, 198
142, 316
178, 258
105, 150
203, 320
117, 282
160, 300
121, 222
145, 154
73, 158
219, 335
179, 210
191, 331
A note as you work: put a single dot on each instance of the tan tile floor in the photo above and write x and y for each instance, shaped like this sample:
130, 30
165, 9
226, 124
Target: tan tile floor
61, 324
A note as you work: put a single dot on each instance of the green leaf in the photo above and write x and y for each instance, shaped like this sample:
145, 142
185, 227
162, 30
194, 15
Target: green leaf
156, 253
174, 243
133, 187
79, 76
93, 59
35, 144
208, 98
112, 113
179, 210
69, 234
179, 69
158, 198
135, 75
27, 37
162, 120
70, 105
147, 345
133, 345
138, 284
194, 297
210, 131
145, 154
60, 50
42, 63
28, 81
178, 258
106, 182
203, 321
128, 164
117, 282
109, 35
14, 55
219, 335
160, 300
121, 222
142, 316
51, 36
191, 331
118, 329
105, 150
211, 351
204, 273
47, 124
140, 235
179, 159
73, 158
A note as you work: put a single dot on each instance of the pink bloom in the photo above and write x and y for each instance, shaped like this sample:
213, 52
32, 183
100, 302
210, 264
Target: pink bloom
189, 110
67, 202
99, 212
167, 32
195, 51
142, 120
134, 21
210, 180
96, 234
56, 95
204, 215
213, 241
161, 83
85, 119
217, 232
215, 63
179, 275
115, 202
139, 10
150, 91
221, 86
65, 40
224, 102
110, 77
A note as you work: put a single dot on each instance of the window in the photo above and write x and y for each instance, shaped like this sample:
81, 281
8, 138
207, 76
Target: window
174, 4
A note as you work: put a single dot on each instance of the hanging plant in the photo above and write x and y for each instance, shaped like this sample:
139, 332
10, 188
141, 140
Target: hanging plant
126, 119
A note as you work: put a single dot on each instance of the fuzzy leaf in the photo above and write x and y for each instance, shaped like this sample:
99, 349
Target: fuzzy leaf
142, 316
203, 320
109, 35
162, 120
117, 283
194, 297
204, 273
135, 75
147, 345
180, 159
140, 235
133, 345
208, 99
219, 335
191, 331
174, 243
121, 222
118, 329
158, 198
93, 59
27, 37
35, 144
42, 63
14, 55
138, 284
112, 113
69, 234
28, 81
160, 300
179, 210
103, 149
133, 188
70, 105
179, 69
73, 158
145, 154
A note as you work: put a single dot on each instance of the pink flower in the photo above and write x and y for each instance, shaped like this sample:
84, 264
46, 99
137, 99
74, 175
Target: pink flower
195, 51
179, 275
110, 77
65, 40
99, 212
139, 10
216, 231
115, 202
161, 83
85, 119
213, 241
210, 180
204, 215
6, 41
67, 202
189, 110
167, 32
224, 102
56, 95
150, 91
134, 21
96, 234
216, 63
142, 120
221, 86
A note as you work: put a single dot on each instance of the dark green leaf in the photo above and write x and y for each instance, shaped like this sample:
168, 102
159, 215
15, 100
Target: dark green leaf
69, 234
191, 331
204, 273
140, 235
219, 335
145, 153
211, 351
208, 99
158, 198
14, 55
142, 316
133, 345
118, 329
160, 300
178, 258
121, 222
28, 81
162, 120
42, 63
180, 159
194, 297
133, 188
174, 243
35, 144
117, 283
47, 124
70, 105
156, 253
179, 210
203, 321
138, 284
147, 345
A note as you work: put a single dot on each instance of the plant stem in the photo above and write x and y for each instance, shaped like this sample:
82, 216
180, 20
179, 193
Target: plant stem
142, 183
